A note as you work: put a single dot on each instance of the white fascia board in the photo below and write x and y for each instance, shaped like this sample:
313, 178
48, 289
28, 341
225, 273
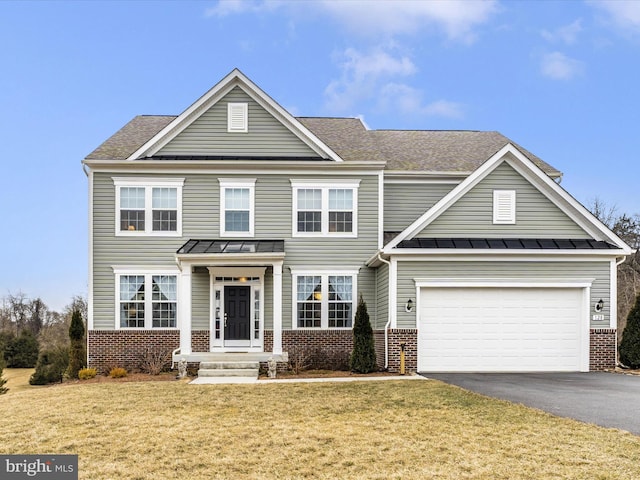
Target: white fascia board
536, 176
224, 86
564, 201
230, 259
450, 198
238, 166
513, 282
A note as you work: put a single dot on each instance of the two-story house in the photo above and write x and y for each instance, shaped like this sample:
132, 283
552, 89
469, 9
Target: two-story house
237, 227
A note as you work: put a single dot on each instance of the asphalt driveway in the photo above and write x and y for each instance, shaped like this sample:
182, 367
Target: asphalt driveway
606, 399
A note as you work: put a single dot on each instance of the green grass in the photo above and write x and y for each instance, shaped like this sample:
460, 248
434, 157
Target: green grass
360, 430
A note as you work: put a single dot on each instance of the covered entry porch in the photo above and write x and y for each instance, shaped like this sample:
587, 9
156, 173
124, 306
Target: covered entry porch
239, 303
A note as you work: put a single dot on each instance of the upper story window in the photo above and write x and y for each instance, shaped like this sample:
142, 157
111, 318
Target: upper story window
325, 208
504, 206
148, 206
146, 299
237, 205
238, 117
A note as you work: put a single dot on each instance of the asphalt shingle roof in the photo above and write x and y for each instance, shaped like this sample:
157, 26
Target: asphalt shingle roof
403, 150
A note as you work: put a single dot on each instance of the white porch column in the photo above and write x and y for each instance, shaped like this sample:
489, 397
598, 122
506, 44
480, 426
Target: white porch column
277, 308
185, 309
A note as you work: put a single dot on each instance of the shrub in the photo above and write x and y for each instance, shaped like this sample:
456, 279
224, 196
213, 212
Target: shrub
3, 380
299, 359
51, 367
118, 372
363, 356
630, 346
153, 360
77, 351
22, 351
87, 373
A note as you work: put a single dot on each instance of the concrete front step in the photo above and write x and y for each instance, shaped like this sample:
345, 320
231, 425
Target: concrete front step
218, 365
229, 369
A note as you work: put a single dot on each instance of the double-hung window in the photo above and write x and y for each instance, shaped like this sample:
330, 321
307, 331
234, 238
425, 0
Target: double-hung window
325, 208
148, 206
146, 300
237, 207
324, 299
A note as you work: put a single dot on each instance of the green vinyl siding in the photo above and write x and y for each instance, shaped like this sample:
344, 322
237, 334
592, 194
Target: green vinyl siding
404, 203
201, 220
409, 271
208, 134
382, 297
472, 215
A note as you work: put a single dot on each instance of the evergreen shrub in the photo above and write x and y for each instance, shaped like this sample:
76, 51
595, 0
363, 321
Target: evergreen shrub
629, 349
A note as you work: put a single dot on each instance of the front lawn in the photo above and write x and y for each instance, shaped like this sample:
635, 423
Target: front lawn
361, 430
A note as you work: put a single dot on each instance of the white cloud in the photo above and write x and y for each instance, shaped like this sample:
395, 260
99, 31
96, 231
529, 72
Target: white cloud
410, 101
361, 75
375, 78
457, 18
624, 14
558, 66
566, 34
236, 7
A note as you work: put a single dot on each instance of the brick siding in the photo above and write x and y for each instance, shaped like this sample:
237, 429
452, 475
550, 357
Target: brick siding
124, 348
408, 336
602, 349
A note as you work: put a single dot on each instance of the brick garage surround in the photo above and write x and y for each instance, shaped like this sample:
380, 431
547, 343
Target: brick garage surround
602, 349
124, 348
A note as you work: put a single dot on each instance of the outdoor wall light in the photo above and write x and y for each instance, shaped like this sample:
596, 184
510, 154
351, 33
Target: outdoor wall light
409, 306
599, 306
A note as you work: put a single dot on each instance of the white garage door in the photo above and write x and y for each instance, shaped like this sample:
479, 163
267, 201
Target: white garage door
501, 329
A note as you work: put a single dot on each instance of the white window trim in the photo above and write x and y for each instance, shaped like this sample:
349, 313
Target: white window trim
324, 273
324, 186
249, 183
234, 109
147, 272
500, 197
148, 184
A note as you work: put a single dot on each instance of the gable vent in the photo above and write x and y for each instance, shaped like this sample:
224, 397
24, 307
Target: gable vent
504, 206
237, 117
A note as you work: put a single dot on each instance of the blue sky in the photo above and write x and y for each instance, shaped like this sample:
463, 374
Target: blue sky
559, 78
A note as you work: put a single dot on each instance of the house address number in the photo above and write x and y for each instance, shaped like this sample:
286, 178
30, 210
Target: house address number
597, 317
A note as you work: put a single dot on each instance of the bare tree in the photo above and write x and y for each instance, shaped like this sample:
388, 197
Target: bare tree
627, 227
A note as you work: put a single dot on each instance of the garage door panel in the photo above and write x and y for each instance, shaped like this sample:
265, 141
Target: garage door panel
500, 329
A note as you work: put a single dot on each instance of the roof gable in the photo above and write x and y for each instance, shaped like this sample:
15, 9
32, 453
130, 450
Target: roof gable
536, 177
234, 84
472, 214
208, 134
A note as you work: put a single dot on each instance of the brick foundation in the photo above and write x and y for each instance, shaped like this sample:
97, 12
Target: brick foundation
124, 348
602, 349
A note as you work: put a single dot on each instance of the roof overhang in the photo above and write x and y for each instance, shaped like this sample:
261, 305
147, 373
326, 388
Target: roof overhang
545, 184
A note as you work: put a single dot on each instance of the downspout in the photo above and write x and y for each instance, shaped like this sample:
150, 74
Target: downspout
386, 327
